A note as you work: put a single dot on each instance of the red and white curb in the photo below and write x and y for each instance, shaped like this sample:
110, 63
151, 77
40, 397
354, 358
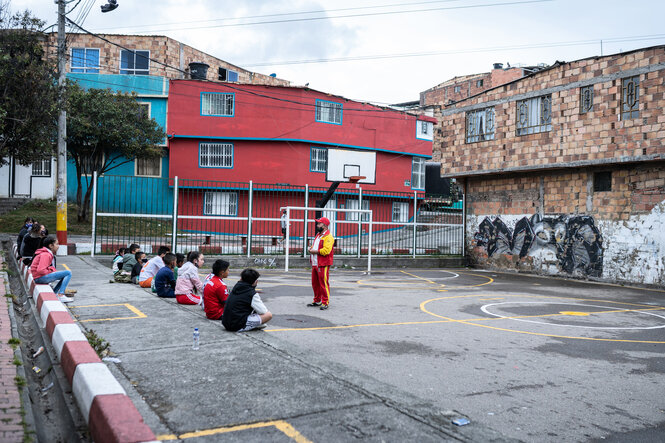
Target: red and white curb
109, 412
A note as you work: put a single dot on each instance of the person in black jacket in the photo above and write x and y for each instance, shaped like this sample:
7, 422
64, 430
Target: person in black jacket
244, 309
31, 242
27, 225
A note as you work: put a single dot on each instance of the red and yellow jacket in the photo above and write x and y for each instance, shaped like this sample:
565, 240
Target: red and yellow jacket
325, 242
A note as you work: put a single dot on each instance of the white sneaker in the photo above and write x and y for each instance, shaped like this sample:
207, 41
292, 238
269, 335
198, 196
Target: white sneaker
65, 299
262, 326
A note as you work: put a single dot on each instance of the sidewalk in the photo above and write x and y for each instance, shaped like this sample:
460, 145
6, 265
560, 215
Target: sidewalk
11, 429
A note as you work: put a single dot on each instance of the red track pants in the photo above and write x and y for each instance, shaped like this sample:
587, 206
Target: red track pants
320, 284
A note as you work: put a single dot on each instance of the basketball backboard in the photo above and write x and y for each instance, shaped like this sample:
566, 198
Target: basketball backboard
346, 163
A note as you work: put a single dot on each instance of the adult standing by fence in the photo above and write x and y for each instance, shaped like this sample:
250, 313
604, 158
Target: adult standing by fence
321, 257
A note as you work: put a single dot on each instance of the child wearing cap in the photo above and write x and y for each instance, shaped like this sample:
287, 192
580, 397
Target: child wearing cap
321, 257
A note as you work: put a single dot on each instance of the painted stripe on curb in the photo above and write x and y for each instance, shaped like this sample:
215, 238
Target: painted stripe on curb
50, 306
41, 289
114, 418
57, 318
90, 380
75, 353
45, 297
66, 332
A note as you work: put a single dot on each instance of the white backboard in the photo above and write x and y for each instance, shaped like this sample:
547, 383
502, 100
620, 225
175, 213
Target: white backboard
345, 163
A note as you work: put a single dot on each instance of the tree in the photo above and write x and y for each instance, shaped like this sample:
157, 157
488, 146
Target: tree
28, 90
105, 130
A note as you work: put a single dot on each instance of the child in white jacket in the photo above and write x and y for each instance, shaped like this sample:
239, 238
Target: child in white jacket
188, 286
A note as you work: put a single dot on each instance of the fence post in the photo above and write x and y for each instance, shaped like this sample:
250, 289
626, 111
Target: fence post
464, 221
287, 240
369, 250
415, 208
174, 230
360, 220
305, 225
250, 205
94, 213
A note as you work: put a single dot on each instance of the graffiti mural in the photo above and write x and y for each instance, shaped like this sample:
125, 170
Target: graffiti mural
574, 239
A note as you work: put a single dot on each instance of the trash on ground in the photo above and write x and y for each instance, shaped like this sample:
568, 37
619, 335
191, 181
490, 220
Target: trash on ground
39, 351
36, 369
112, 359
461, 421
47, 387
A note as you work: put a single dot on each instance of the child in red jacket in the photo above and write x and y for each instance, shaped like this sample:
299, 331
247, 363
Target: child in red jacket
215, 292
44, 272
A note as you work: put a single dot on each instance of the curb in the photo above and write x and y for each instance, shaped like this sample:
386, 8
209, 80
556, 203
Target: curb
109, 412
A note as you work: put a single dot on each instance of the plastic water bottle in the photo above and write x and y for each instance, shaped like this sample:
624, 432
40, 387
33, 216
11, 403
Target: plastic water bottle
195, 345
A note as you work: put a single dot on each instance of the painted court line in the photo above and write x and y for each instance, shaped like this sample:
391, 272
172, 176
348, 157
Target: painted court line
138, 313
282, 425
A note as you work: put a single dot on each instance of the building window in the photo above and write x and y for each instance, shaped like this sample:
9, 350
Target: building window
328, 112
630, 97
85, 60
458, 89
220, 203
216, 155
227, 75
42, 168
400, 212
148, 167
318, 159
424, 130
480, 125
134, 62
602, 181
355, 216
90, 164
586, 99
479, 83
217, 104
534, 115
418, 173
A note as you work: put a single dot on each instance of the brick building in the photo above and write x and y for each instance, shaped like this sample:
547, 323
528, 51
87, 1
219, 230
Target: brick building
564, 169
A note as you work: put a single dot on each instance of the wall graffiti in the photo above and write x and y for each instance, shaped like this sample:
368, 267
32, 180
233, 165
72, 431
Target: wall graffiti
574, 239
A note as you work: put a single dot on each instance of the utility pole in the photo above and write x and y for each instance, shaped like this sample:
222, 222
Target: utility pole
61, 185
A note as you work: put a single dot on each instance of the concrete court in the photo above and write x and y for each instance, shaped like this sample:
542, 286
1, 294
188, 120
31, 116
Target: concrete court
396, 357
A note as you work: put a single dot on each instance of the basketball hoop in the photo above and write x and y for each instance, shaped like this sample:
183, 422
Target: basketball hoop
356, 178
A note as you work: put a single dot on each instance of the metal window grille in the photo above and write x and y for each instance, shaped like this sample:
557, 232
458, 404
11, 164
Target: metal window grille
42, 168
220, 203
217, 104
216, 155
329, 112
318, 160
400, 212
534, 115
630, 97
134, 62
149, 167
480, 125
353, 204
85, 60
586, 99
417, 173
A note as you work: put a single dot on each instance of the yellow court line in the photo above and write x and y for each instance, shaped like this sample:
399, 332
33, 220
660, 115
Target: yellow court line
282, 425
138, 313
422, 278
362, 325
66, 267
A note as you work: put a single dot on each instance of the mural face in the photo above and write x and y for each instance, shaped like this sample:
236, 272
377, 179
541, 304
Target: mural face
574, 239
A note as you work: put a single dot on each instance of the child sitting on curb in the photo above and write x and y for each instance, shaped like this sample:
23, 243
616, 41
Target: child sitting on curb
44, 272
215, 292
164, 281
244, 308
188, 287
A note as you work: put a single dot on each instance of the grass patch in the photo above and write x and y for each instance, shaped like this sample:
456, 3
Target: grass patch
20, 382
14, 342
100, 345
45, 213
16, 361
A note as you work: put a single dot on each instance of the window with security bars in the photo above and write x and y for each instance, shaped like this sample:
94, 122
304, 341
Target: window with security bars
219, 104
534, 115
355, 216
216, 155
418, 173
630, 97
148, 167
328, 112
134, 62
85, 60
318, 160
586, 99
400, 212
424, 130
41, 168
480, 125
220, 203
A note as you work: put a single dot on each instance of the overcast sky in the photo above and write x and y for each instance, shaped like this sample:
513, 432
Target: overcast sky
391, 50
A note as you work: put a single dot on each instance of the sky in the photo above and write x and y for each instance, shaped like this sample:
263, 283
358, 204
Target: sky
379, 51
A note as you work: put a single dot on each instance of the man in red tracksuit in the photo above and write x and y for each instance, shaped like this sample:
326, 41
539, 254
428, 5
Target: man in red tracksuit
321, 256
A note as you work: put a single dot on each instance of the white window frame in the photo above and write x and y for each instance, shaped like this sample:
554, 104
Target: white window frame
218, 104
534, 115
418, 173
400, 212
228, 73
85, 69
136, 167
147, 105
40, 166
134, 70
329, 112
216, 155
352, 203
220, 203
424, 130
480, 125
316, 163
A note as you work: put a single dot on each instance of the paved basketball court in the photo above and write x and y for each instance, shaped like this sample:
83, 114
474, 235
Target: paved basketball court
398, 355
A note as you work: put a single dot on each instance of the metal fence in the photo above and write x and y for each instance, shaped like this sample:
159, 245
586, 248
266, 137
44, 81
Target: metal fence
244, 218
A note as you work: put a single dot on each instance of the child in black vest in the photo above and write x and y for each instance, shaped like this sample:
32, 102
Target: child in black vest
244, 309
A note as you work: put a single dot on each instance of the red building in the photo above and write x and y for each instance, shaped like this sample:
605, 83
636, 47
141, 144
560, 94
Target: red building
280, 136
